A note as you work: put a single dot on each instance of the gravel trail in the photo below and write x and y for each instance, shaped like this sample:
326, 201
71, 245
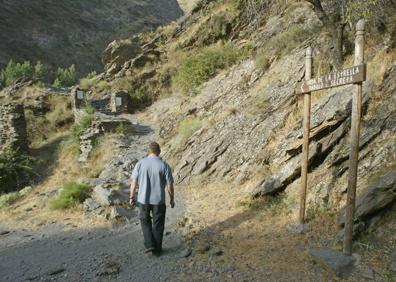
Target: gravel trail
58, 253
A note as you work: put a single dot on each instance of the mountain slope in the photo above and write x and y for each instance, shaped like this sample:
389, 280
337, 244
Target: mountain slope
61, 33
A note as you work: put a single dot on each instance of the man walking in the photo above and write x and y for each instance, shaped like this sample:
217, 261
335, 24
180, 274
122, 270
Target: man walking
152, 175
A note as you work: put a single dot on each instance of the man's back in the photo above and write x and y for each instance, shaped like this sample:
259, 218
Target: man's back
152, 174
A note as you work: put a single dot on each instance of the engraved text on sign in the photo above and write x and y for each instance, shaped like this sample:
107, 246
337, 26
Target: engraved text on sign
347, 76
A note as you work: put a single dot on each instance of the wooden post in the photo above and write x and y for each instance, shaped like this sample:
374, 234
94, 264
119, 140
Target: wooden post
355, 133
305, 146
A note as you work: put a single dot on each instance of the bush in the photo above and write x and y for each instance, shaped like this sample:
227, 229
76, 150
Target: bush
15, 71
10, 198
88, 81
71, 194
78, 128
188, 126
199, 67
15, 170
65, 77
281, 44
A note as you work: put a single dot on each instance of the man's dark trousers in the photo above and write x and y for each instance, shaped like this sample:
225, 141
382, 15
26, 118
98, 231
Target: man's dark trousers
153, 230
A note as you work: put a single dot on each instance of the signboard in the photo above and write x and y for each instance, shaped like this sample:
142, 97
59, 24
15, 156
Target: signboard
338, 78
118, 101
80, 94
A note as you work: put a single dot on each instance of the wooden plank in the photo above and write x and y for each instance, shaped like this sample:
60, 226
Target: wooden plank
346, 76
355, 135
305, 149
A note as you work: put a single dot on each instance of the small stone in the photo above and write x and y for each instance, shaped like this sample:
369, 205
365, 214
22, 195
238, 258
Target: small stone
185, 253
368, 273
217, 252
296, 229
203, 248
4, 232
393, 266
28, 209
56, 271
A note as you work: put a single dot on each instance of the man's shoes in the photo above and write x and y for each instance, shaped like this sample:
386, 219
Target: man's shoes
157, 252
149, 250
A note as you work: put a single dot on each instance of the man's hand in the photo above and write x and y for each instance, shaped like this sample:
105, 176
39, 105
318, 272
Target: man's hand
172, 203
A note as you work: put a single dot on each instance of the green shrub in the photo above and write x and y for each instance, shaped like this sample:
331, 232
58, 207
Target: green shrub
273, 203
91, 75
201, 66
15, 71
15, 170
281, 44
71, 194
122, 84
188, 126
88, 81
85, 122
41, 72
65, 77
103, 85
8, 199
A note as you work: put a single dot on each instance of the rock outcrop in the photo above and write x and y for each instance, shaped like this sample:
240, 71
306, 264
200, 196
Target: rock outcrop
13, 127
102, 124
380, 194
118, 52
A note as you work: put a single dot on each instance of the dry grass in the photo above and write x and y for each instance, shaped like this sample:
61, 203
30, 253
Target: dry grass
66, 168
254, 240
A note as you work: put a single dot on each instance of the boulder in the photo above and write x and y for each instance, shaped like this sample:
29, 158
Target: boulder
120, 213
339, 263
109, 197
90, 205
379, 195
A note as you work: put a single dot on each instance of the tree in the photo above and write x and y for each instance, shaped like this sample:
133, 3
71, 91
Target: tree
335, 15
40, 71
65, 77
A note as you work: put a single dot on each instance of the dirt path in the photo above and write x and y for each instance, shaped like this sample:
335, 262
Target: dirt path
58, 252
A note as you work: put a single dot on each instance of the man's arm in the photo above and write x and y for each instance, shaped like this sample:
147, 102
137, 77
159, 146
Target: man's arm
171, 192
132, 195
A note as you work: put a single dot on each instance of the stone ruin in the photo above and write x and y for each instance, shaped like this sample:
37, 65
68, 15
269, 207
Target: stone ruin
105, 119
119, 102
13, 131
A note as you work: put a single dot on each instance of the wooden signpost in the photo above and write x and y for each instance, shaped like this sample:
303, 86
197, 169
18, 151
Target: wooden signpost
353, 75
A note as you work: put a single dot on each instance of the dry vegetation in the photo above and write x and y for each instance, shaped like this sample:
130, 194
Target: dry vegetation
254, 238
65, 168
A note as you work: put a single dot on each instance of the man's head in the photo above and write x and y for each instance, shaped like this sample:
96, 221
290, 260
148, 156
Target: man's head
154, 148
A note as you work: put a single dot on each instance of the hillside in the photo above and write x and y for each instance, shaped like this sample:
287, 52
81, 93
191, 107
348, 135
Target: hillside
61, 33
217, 90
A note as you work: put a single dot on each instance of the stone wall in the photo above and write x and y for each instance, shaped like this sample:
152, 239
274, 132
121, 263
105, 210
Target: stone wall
13, 127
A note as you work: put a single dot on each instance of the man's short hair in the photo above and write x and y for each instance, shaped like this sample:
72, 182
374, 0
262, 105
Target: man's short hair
154, 148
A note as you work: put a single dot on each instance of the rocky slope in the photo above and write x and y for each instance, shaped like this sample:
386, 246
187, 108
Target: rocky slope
75, 32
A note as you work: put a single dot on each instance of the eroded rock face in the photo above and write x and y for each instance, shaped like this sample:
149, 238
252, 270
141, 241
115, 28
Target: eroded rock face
330, 122
379, 195
235, 144
13, 127
118, 52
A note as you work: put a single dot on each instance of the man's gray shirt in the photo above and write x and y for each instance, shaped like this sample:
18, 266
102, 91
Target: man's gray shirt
152, 175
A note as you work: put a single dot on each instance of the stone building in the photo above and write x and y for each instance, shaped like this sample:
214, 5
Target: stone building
13, 131
119, 102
